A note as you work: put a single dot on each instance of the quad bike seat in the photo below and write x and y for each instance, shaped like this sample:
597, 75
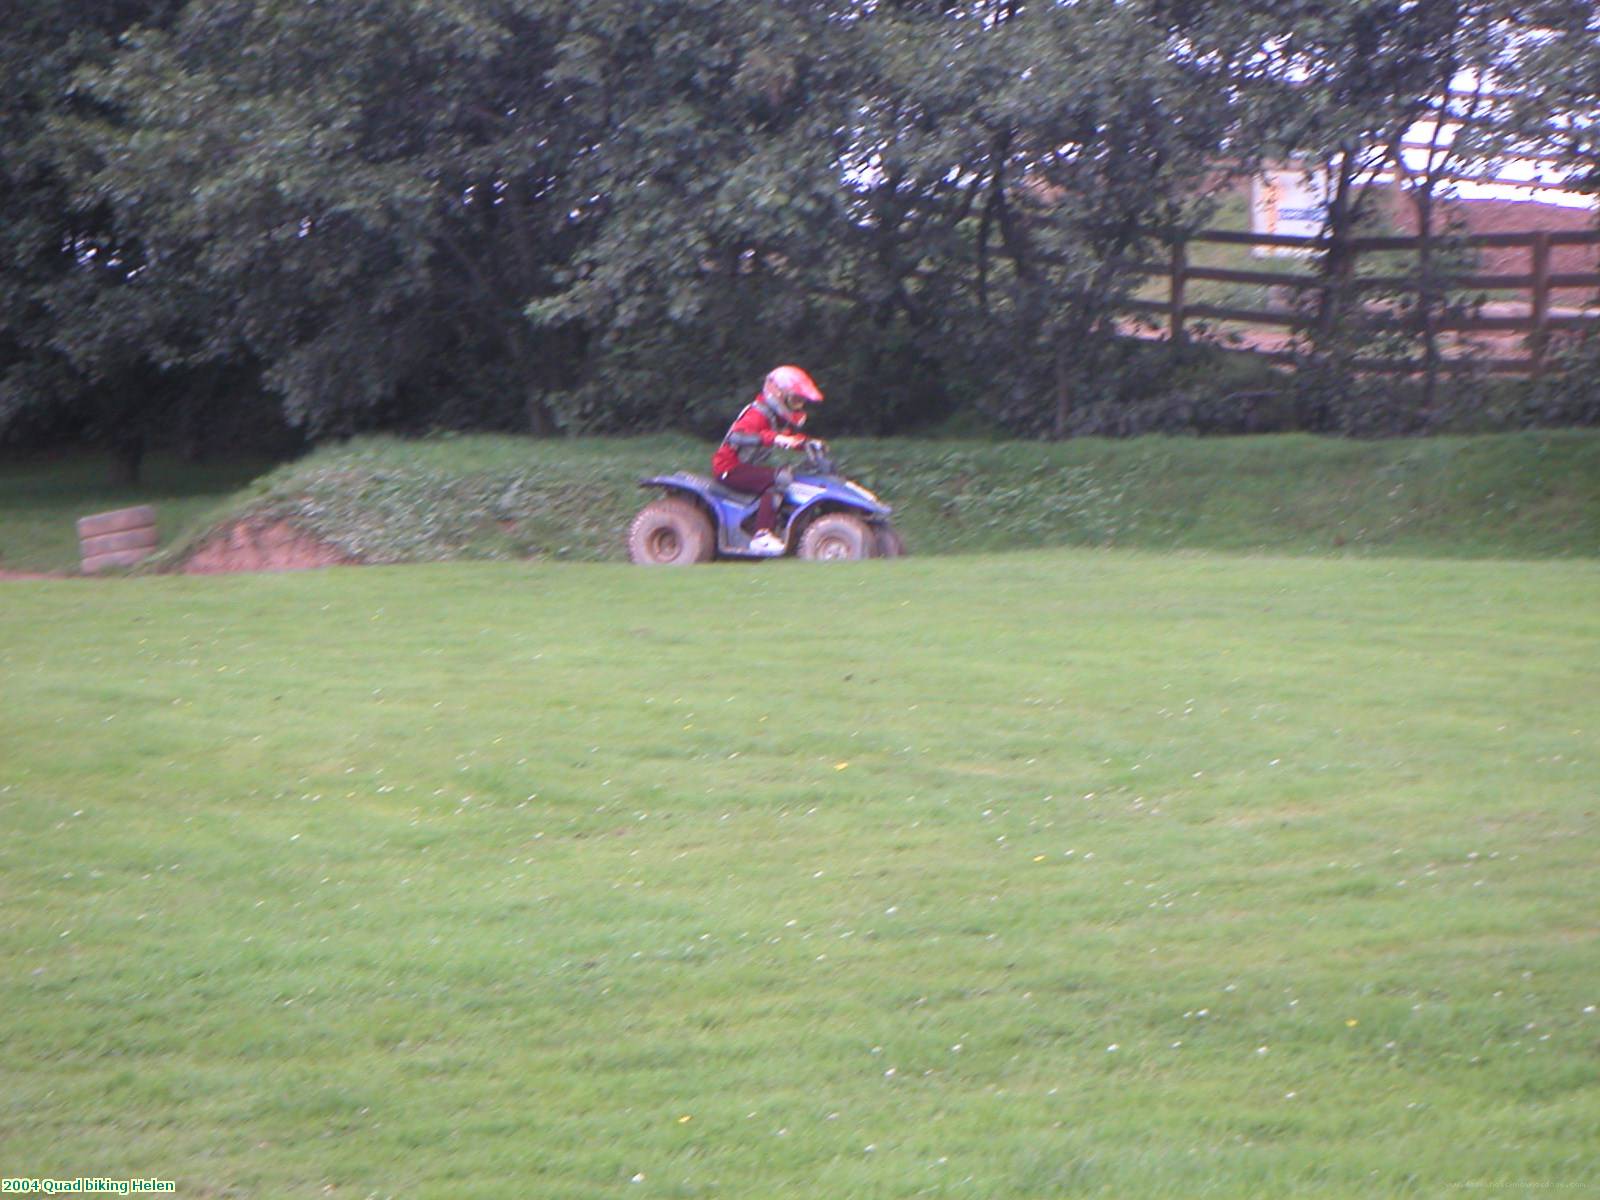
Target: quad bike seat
718, 488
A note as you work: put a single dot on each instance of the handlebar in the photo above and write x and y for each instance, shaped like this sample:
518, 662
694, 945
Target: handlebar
817, 456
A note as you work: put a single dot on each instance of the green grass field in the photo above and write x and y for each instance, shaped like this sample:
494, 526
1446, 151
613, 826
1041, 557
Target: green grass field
1068, 873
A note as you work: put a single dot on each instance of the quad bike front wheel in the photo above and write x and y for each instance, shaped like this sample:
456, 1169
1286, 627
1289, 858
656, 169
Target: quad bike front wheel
838, 536
670, 532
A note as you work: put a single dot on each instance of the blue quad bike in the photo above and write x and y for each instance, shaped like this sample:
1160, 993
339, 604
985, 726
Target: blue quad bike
821, 515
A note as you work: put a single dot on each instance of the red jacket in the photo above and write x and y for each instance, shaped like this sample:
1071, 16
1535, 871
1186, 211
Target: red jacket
749, 439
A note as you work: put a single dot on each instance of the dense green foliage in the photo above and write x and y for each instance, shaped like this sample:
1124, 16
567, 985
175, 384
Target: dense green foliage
223, 217
1018, 877
1527, 496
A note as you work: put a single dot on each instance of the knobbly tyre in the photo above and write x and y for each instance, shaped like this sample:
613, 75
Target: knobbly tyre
822, 515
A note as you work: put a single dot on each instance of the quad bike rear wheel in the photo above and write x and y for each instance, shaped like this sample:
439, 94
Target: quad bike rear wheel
670, 532
838, 536
890, 543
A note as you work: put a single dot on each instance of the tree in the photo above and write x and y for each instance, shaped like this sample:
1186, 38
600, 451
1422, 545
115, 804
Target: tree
69, 359
1351, 88
708, 187
537, 215
1018, 161
1551, 78
365, 199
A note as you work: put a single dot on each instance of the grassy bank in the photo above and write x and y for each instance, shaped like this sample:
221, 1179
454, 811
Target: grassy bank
42, 497
1050, 874
1528, 495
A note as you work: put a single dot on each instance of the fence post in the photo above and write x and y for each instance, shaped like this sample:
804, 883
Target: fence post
1539, 337
1180, 278
1338, 267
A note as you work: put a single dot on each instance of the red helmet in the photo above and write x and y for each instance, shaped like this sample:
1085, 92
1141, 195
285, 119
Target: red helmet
791, 389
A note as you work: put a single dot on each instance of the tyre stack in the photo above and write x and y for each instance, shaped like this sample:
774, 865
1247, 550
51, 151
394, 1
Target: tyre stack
116, 539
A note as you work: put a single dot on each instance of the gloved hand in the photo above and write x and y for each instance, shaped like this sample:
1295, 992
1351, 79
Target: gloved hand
789, 441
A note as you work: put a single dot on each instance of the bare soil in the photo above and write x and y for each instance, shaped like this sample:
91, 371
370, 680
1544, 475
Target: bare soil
261, 545
248, 545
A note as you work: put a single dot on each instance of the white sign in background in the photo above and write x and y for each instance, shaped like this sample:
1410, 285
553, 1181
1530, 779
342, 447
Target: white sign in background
1291, 202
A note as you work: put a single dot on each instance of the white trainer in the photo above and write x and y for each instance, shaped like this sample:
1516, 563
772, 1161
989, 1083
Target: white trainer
766, 544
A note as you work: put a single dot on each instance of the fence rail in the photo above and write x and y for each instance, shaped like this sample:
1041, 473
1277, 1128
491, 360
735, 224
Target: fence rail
1345, 289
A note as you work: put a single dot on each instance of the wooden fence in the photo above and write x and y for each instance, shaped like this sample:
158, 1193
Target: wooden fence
1483, 334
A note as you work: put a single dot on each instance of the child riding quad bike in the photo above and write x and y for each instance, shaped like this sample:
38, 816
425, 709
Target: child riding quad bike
818, 515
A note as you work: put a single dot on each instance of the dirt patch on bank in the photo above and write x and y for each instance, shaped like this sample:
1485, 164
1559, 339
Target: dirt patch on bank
254, 544
263, 545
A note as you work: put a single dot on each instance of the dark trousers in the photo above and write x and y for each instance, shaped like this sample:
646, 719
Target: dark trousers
748, 478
